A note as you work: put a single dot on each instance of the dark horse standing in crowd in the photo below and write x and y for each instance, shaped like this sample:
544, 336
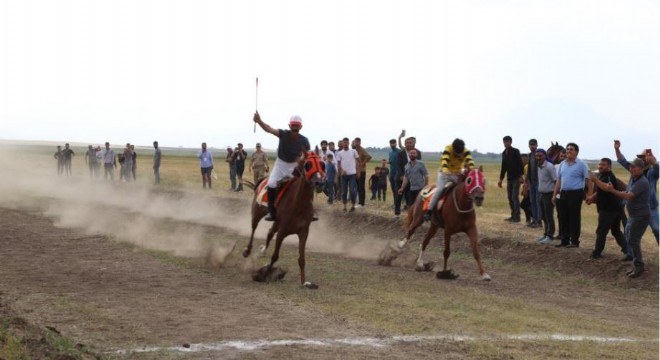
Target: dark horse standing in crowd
294, 214
456, 215
552, 153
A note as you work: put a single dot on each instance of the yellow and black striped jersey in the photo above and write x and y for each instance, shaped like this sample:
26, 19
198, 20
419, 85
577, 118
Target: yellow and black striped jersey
451, 162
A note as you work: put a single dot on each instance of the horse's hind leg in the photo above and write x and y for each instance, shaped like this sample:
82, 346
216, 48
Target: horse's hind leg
257, 215
265, 272
472, 234
421, 266
302, 242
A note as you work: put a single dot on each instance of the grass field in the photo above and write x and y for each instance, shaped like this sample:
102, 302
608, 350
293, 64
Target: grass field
515, 315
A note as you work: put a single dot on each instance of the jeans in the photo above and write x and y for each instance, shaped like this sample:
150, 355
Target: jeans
512, 191
653, 222
382, 191
635, 229
329, 190
156, 175
397, 197
109, 171
534, 201
232, 176
348, 183
361, 183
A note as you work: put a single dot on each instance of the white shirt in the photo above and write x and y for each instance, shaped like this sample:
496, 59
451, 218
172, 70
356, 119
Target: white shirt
347, 161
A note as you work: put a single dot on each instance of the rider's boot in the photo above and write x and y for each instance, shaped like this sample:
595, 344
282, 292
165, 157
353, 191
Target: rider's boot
427, 215
272, 194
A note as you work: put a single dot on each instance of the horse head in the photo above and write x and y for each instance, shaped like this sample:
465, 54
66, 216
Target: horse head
552, 153
475, 185
313, 169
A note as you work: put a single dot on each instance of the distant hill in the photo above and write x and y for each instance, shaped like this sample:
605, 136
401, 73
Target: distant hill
382, 153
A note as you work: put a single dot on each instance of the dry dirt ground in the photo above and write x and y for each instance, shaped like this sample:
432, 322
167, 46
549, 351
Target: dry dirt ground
111, 296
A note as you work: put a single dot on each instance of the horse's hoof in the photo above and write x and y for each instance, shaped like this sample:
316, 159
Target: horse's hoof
262, 250
485, 277
263, 274
278, 274
446, 275
246, 253
309, 285
401, 244
429, 266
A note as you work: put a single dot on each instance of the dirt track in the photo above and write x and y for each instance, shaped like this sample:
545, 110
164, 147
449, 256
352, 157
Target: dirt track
114, 296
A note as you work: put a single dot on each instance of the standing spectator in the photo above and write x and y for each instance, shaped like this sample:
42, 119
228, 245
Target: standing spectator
239, 161
99, 161
335, 181
547, 175
157, 157
59, 156
258, 164
383, 174
134, 163
639, 211
128, 162
413, 141
109, 162
68, 156
362, 170
392, 161
206, 164
291, 146
373, 183
90, 159
401, 162
512, 167
330, 174
557, 199
525, 203
651, 175
232, 167
571, 179
324, 150
347, 164
415, 177
609, 210
454, 160
532, 184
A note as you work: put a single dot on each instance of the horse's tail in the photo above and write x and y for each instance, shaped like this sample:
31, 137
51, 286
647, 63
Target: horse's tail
249, 184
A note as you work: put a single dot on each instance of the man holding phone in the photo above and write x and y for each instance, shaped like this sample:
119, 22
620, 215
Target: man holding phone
651, 173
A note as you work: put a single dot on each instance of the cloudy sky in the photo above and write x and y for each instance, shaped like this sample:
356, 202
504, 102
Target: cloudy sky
183, 72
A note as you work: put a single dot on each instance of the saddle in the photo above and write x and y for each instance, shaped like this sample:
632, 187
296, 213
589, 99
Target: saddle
428, 191
282, 187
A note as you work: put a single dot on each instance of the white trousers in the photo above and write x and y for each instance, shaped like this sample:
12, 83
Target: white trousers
281, 169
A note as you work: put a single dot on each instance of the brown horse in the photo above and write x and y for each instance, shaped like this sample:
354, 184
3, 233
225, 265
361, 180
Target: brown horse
457, 214
293, 216
552, 153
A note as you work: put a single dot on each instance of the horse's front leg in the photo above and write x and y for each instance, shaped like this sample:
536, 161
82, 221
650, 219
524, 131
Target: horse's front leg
264, 274
417, 220
302, 242
446, 274
269, 237
474, 243
421, 266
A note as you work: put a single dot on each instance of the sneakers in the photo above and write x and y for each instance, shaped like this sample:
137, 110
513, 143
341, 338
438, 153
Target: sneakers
635, 273
627, 258
541, 238
594, 257
352, 209
546, 241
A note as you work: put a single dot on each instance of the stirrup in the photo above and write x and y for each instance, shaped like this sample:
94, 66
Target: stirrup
270, 217
315, 217
427, 215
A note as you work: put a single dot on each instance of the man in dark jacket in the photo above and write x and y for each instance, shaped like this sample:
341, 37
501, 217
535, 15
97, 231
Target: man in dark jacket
512, 167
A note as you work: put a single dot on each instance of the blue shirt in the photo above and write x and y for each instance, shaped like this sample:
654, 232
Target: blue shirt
392, 158
330, 171
205, 159
416, 175
573, 176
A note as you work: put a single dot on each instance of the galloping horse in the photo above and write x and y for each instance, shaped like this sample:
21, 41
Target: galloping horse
294, 213
457, 214
552, 153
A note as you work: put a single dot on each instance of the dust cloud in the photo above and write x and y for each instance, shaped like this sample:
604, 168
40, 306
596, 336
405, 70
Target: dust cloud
176, 222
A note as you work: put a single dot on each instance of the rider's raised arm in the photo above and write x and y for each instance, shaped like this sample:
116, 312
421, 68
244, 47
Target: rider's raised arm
265, 126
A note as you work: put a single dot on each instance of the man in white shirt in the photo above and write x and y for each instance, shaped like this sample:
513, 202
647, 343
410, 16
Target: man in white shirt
347, 163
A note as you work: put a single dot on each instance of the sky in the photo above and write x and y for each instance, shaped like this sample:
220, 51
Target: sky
184, 72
